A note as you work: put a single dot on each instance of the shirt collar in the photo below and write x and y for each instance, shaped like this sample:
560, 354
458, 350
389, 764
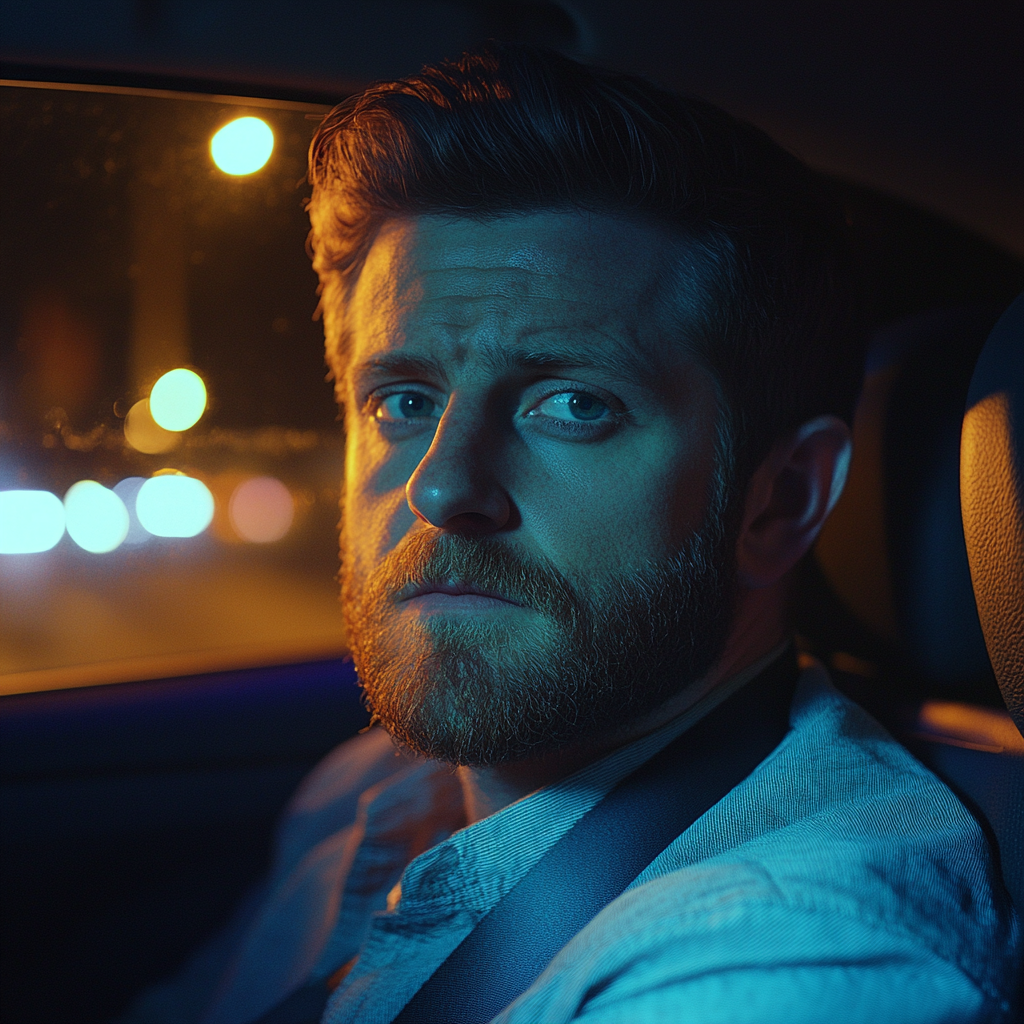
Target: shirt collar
478, 864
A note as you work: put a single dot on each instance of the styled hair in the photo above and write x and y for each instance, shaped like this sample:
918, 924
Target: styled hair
763, 283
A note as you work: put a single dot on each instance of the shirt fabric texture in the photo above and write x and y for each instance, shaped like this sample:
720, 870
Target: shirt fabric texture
840, 881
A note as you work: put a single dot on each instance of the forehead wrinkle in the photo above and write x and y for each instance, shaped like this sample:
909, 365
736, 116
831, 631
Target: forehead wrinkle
511, 272
623, 360
473, 310
567, 334
488, 333
523, 256
619, 361
497, 287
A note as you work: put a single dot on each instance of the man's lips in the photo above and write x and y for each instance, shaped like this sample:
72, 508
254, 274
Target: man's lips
453, 589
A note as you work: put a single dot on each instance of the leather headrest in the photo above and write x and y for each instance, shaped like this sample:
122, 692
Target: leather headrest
893, 550
992, 500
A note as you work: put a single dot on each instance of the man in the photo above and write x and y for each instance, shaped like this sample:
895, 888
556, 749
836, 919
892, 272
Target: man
595, 349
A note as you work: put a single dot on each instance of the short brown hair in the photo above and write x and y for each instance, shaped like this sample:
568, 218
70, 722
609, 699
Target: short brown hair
510, 129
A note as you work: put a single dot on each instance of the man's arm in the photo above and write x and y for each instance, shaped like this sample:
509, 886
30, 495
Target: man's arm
324, 806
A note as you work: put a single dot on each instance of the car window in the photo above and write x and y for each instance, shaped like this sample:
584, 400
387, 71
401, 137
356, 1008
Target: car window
169, 451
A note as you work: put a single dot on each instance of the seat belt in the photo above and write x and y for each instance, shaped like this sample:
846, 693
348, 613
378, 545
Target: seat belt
594, 862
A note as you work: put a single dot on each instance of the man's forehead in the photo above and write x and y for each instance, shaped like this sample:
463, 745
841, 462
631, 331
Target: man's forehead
549, 243
593, 280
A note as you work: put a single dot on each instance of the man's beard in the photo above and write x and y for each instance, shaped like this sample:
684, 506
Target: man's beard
487, 692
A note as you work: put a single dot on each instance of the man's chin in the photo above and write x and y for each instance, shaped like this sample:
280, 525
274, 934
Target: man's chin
446, 633
463, 703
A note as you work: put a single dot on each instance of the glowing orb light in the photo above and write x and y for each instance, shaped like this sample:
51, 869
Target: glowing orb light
177, 400
242, 146
261, 510
30, 521
144, 434
128, 490
96, 517
174, 505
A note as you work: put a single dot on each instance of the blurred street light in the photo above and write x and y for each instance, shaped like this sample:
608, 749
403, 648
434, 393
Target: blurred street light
144, 434
174, 505
242, 146
30, 521
178, 400
96, 518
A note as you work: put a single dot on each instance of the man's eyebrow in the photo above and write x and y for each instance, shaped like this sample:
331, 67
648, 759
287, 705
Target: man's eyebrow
632, 367
401, 364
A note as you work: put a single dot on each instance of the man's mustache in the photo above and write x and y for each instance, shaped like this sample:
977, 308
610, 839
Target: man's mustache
432, 558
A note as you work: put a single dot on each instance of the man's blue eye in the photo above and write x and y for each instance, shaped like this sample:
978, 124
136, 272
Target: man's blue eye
573, 405
406, 405
586, 407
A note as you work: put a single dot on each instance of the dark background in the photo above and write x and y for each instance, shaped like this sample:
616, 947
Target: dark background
921, 98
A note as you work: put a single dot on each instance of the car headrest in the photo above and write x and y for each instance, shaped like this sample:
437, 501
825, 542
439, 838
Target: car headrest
992, 500
893, 550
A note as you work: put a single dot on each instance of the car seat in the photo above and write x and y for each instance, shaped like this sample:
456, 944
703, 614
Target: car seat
992, 507
887, 598
992, 500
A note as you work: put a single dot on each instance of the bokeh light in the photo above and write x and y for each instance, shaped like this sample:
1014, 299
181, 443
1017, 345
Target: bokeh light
144, 434
177, 400
30, 521
128, 490
242, 146
174, 505
95, 517
261, 510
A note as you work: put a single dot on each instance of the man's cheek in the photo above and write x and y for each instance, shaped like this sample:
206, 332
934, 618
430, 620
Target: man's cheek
588, 541
373, 523
375, 519
379, 464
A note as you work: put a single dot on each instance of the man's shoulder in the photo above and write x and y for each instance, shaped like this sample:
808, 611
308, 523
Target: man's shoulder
843, 813
838, 777
839, 848
840, 877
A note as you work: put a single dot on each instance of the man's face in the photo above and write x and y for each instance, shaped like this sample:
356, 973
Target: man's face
531, 548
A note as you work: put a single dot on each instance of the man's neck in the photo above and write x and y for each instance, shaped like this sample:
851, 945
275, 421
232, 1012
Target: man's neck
489, 790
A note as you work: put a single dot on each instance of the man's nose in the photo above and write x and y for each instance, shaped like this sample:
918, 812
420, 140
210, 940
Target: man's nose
456, 485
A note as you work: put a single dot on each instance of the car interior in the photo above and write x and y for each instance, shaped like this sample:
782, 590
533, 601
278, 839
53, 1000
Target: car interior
164, 686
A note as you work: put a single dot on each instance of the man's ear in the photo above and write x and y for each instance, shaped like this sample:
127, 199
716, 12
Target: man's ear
789, 497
